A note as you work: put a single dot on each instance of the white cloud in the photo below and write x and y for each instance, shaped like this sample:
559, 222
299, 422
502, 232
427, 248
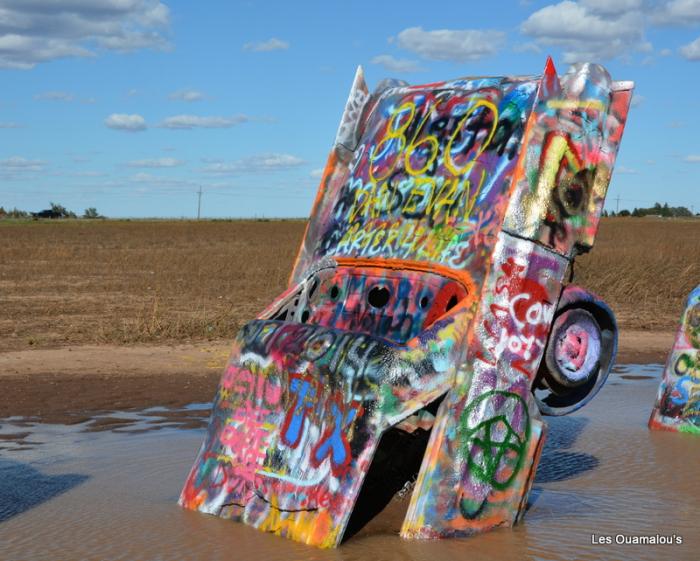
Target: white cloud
255, 164
677, 12
159, 181
194, 122
89, 173
396, 64
692, 159
143, 177
122, 121
17, 51
20, 164
10, 125
36, 31
665, 52
637, 99
272, 44
625, 170
608, 8
691, 51
457, 45
55, 96
186, 95
316, 173
146, 183
587, 30
155, 163
528, 47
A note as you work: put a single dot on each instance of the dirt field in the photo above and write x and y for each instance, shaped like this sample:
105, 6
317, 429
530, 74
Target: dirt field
125, 282
111, 315
131, 282
70, 384
644, 268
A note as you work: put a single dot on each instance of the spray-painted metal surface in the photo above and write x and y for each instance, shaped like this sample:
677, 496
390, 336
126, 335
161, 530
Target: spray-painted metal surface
427, 286
677, 405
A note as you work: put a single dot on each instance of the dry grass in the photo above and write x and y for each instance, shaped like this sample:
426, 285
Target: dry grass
79, 282
644, 268
138, 281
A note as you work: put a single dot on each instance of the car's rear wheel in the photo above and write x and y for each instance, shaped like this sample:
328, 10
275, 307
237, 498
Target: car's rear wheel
579, 354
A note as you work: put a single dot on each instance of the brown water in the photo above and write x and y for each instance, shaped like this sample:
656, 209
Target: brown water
107, 490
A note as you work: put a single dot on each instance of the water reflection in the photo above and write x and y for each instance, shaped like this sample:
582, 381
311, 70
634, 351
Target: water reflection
557, 462
23, 487
601, 472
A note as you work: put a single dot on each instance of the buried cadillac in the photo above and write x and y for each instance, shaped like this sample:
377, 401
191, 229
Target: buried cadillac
427, 326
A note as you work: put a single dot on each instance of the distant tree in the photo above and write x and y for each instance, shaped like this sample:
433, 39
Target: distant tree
605, 214
91, 213
663, 210
62, 212
625, 212
17, 213
681, 212
58, 210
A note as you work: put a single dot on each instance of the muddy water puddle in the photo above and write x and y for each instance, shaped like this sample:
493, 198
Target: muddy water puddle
106, 489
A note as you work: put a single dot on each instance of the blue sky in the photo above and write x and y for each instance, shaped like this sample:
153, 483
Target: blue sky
131, 105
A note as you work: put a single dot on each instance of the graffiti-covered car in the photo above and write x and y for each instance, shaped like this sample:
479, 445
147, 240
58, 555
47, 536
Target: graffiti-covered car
677, 406
426, 327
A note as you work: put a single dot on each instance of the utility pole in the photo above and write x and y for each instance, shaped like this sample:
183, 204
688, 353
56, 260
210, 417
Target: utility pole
199, 201
617, 210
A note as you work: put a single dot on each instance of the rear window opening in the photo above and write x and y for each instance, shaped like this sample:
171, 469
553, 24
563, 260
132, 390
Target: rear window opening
392, 304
